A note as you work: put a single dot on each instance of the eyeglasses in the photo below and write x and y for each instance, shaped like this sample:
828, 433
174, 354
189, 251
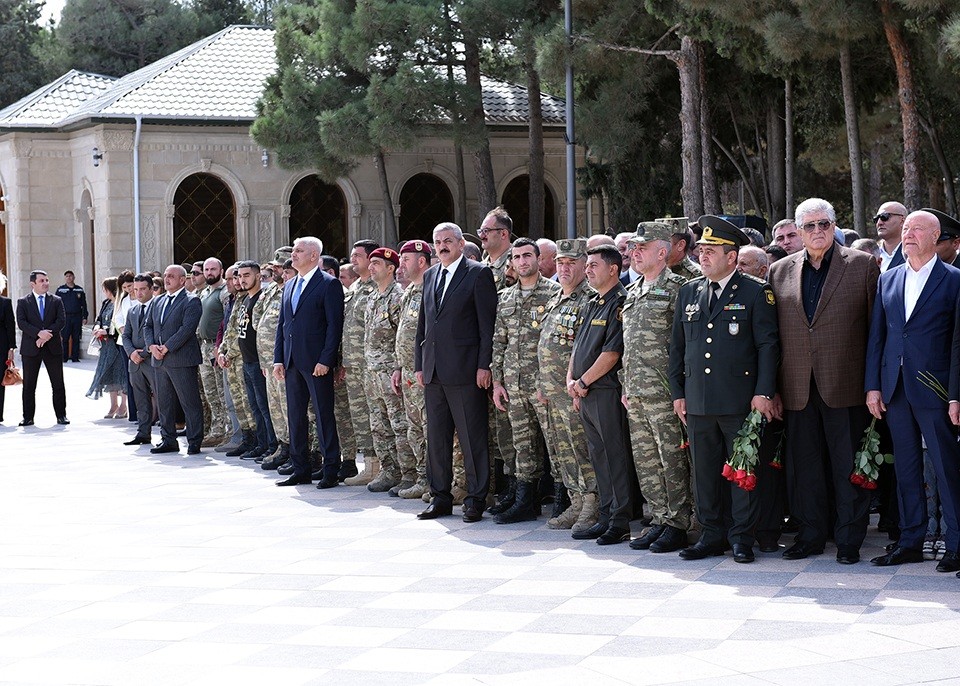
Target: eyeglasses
484, 232
156, 288
196, 273
885, 216
822, 225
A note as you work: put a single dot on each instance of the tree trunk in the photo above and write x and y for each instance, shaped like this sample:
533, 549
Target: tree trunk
853, 140
536, 175
775, 165
949, 190
601, 213
711, 193
767, 210
476, 121
390, 234
874, 182
790, 155
912, 196
747, 180
691, 157
461, 187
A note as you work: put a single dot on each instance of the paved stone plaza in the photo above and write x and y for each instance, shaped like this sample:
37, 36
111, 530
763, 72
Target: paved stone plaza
118, 567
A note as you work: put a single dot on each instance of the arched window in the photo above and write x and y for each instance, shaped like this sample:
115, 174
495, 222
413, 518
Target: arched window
516, 198
425, 201
319, 209
204, 220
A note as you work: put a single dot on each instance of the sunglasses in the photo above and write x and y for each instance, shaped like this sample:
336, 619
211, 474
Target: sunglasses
156, 288
823, 225
885, 216
196, 273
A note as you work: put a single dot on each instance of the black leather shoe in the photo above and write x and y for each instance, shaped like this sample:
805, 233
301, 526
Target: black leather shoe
138, 440
700, 551
193, 449
295, 481
768, 545
743, 553
848, 555
595, 531
285, 469
435, 510
801, 550
672, 539
898, 556
949, 563
472, 514
63, 420
614, 535
652, 534
327, 482
890, 547
348, 468
165, 448
26, 422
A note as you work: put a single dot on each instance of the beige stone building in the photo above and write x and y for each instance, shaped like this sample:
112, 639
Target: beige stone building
100, 174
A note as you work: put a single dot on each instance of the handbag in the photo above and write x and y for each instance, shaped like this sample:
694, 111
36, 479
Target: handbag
94, 348
11, 376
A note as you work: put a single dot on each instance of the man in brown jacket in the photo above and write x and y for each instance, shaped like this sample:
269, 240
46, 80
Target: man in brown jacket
825, 295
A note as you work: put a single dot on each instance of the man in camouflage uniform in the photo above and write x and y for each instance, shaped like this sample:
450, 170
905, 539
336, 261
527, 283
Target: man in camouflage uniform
566, 440
681, 239
228, 359
266, 315
210, 377
515, 337
663, 467
494, 235
414, 261
388, 421
354, 368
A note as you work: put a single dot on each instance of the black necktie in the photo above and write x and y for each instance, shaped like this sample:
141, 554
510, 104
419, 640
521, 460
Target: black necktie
166, 306
440, 284
714, 294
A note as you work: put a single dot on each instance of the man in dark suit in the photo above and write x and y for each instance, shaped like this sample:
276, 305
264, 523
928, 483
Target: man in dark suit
889, 220
724, 352
142, 376
912, 339
41, 317
452, 357
171, 337
824, 296
309, 331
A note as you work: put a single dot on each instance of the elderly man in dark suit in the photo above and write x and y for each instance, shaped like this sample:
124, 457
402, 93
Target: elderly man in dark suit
142, 376
309, 331
452, 358
171, 337
41, 317
825, 295
913, 369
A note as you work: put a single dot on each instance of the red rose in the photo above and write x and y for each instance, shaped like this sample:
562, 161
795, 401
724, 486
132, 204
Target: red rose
870, 485
857, 479
776, 464
728, 471
749, 483
740, 475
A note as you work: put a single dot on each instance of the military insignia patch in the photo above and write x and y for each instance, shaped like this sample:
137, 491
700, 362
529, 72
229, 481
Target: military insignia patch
734, 328
771, 300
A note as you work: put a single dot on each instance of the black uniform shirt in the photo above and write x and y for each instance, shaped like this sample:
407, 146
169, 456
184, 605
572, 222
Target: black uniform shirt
600, 331
74, 300
812, 280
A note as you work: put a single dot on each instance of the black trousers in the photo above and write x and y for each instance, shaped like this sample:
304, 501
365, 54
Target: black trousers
463, 408
179, 387
50, 357
608, 446
820, 451
725, 511
771, 489
143, 383
72, 330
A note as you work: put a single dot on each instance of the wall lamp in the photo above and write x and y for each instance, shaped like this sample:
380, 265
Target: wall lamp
265, 158
97, 156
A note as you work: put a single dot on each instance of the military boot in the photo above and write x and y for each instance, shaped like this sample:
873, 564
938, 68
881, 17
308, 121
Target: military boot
371, 467
212, 441
404, 484
561, 500
383, 481
458, 494
249, 443
348, 468
567, 518
277, 459
505, 502
589, 514
256, 451
415, 491
526, 505
670, 540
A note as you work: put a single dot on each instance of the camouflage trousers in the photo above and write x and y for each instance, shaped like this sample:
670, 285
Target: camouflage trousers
500, 439
414, 405
341, 411
359, 410
567, 444
524, 425
238, 391
277, 398
388, 426
211, 381
663, 468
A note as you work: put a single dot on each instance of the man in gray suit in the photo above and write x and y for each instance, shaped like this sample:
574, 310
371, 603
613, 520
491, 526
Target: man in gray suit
142, 376
171, 337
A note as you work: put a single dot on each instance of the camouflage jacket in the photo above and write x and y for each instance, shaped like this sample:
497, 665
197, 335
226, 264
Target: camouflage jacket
516, 333
230, 347
687, 268
354, 313
266, 314
499, 269
380, 331
647, 326
407, 328
557, 330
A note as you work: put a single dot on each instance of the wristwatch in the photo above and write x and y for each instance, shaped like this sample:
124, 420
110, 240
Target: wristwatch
581, 384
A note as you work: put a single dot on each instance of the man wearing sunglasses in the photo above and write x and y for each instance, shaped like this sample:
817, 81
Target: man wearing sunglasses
889, 221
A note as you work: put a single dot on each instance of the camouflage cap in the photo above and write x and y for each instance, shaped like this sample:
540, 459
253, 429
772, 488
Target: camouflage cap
652, 231
282, 254
572, 247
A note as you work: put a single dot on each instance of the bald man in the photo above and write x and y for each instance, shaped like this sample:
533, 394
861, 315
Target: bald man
753, 261
889, 220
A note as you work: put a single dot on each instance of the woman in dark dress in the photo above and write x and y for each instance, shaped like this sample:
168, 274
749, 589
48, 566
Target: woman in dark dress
110, 375
8, 334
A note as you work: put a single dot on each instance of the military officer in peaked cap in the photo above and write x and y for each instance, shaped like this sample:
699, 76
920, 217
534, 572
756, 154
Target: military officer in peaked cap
724, 353
949, 242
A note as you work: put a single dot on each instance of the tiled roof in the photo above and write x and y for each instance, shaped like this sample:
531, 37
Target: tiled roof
55, 101
220, 78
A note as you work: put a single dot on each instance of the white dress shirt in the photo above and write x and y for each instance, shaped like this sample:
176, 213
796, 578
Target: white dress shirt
451, 270
886, 257
913, 285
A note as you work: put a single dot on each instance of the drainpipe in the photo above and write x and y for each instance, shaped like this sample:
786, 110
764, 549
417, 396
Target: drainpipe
136, 192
